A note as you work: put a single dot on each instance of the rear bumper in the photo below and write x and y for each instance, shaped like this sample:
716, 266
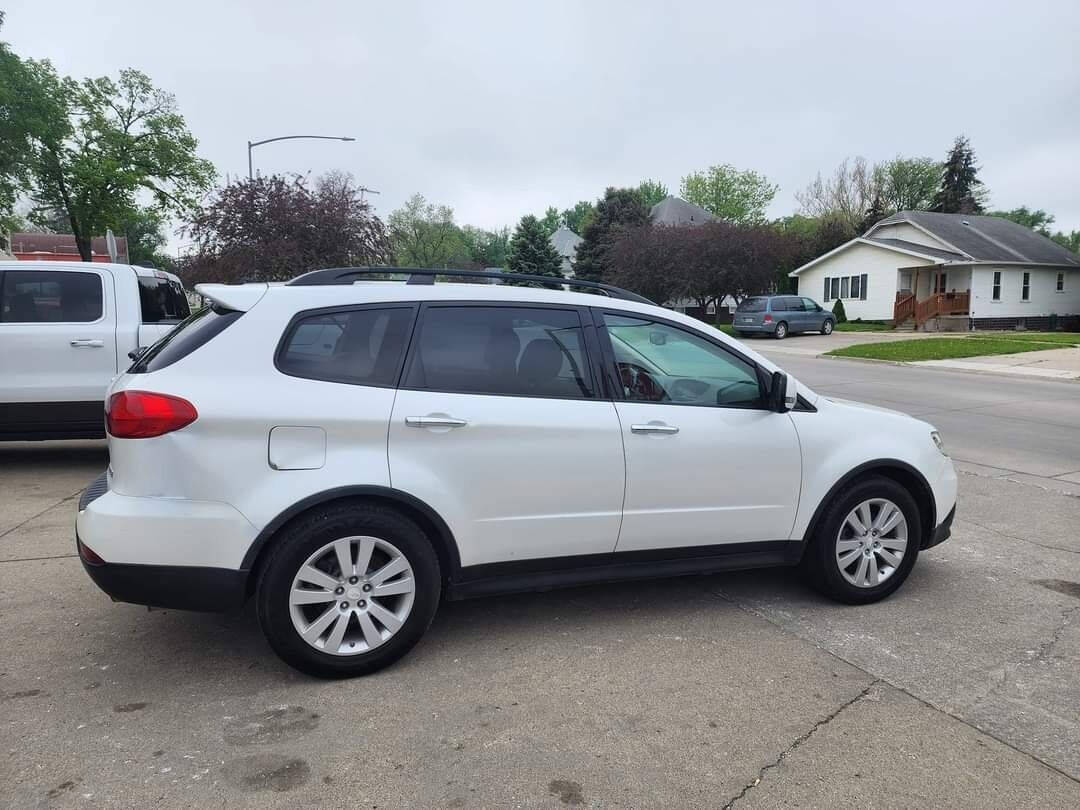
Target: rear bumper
183, 587
762, 328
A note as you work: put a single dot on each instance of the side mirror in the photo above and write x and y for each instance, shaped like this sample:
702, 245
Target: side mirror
782, 392
135, 354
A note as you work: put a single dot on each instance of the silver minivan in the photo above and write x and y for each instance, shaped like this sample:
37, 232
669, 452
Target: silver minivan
779, 315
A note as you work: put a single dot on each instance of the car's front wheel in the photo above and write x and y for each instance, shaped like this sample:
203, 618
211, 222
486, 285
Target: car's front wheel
347, 590
866, 542
827, 327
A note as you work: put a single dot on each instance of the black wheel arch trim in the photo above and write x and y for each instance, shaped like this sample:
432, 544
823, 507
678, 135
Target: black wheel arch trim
388, 494
883, 464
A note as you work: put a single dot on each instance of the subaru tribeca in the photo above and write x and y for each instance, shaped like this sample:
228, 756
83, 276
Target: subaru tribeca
349, 451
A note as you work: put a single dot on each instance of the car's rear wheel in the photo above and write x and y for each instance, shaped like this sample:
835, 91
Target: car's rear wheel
866, 542
781, 331
827, 327
347, 590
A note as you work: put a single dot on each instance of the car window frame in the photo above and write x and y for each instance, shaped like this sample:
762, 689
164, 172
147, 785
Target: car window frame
410, 331
611, 365
807, 301
86, 270
591, 347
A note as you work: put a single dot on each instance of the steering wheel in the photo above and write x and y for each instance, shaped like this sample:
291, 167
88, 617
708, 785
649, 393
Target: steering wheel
639, 383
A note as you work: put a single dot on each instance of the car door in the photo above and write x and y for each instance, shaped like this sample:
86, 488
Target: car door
58, 333
815, 315
707, 463
796, 315
500, 426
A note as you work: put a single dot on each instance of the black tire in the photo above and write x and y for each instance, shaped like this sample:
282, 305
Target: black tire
827, 327
819, 564
781, 331
306, 535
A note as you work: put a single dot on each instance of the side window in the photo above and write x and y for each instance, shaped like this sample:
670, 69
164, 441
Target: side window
162, 300
794, 305
512, 351
360, 346
48, 296
662, 363
811, 305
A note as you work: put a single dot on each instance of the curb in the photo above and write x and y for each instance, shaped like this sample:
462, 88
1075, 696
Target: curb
988, 372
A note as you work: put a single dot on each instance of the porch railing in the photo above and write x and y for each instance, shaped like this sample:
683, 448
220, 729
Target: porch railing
949, 303
904, 307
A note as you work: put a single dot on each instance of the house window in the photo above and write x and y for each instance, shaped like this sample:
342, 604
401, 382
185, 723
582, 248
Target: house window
835, 288
844, 287
996, 296
1061, 282
941, 282
828, 288
862, 287
1025, 288
854, 286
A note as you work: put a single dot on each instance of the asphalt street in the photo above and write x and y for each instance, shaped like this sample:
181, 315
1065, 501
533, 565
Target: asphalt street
742, 690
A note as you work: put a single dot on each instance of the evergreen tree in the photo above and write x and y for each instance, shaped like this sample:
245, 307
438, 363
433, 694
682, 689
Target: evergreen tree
961, 190
620, 209
874, 214
531, 251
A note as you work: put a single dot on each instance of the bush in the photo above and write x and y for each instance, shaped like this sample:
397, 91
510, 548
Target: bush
838, 311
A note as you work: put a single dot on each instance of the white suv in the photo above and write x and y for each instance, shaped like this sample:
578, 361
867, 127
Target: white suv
349, 452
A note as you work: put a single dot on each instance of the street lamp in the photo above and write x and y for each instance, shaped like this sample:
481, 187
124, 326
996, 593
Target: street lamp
252, 144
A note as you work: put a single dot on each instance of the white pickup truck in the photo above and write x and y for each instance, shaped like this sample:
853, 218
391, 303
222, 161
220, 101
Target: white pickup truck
66, 329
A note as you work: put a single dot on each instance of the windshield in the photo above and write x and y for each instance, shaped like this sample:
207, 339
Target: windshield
753, 305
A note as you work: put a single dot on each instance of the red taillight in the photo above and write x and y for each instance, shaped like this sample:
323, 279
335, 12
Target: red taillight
767, 319
88, 555
142, 415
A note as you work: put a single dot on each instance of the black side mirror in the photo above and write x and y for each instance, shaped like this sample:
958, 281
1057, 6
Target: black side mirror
135, 354
782, 395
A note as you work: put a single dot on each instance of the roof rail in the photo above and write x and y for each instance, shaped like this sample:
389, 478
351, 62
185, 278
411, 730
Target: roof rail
426, 275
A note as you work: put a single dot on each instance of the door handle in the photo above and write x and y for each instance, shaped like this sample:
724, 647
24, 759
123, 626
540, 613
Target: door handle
85, 343
654, 427
434, 421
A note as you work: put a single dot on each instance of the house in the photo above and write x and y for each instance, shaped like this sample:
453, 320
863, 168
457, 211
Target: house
53, 247
565, 242
678, 212
948, 271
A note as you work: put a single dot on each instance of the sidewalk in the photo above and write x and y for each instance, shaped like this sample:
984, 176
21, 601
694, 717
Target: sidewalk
1058, 364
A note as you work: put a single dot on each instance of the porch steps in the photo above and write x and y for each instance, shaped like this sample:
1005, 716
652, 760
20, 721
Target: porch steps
906, 325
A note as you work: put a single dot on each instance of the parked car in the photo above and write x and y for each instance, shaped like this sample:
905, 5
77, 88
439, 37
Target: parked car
66, 329
780, 315
350, 453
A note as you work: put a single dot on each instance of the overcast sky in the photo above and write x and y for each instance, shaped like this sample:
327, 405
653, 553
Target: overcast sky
498, 109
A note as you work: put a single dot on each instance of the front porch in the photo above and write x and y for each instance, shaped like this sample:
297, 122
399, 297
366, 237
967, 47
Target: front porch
931, 293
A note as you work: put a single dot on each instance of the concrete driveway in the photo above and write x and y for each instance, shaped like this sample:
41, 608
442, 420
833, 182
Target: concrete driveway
740, 690
813, 344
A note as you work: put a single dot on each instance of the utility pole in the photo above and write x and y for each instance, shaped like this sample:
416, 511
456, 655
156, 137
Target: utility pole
364, 189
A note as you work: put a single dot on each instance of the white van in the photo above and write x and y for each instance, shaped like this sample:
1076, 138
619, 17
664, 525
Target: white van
66, 329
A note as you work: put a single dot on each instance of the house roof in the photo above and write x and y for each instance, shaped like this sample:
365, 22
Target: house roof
986, 239
932, 255
565, 242
63, 244
677, 211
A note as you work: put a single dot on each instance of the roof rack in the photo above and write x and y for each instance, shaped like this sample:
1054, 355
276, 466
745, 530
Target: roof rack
426, 275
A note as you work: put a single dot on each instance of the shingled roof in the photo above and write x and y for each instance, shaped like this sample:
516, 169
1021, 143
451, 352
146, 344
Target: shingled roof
677, 211
985, 239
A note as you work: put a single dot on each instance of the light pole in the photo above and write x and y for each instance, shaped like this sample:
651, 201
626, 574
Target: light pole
253, 144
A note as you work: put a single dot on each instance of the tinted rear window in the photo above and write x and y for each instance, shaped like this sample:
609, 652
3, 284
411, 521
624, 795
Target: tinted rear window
189, 335
361, 346
50, 296
753, 305
162, 300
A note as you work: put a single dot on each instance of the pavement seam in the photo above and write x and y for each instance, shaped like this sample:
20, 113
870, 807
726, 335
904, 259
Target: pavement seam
1016, 536
71, 497
802, 738
32, 559
761, 615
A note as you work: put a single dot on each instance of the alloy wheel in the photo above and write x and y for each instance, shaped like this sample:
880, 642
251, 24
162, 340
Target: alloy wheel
352, 595
872, 542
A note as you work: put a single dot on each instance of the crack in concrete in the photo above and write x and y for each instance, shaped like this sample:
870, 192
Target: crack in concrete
33, 559
1016, 536
798, 741
71, 497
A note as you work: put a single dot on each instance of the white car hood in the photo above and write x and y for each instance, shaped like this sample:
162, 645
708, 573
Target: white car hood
850, 403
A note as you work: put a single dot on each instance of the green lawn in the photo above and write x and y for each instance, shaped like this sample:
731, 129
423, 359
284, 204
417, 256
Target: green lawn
1067, 338
725, 328
863, 326
943, 348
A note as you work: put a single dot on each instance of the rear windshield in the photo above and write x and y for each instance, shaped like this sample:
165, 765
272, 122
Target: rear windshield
162, 299
753, 305
197, 330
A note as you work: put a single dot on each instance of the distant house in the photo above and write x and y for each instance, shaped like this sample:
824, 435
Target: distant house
677, 211
948, 271
53, 247
565, 242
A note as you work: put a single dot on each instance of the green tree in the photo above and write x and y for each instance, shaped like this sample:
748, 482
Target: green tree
1069, 241
839, 312
486, 248
551, 220
119, 141
906, 184
652, 192
531, 251
731, 194
144, 229
578, 217
619, 209
961, 190
423, 234
32, 110
1038, 220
